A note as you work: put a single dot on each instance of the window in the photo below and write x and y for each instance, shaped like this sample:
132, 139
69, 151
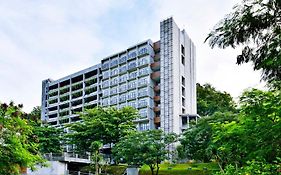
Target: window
105, 92
132, 104
105, 102
132, 84
123, 78
123, 69
122, 105
182, 80
143, 113
144, 126
142, 82
142, 92
114, 81
183, 111
132, 65
123, 88
114, 62
182, 49
113, 100
113, 91
123, 59
114, 72
105, 74
143, 103
132, 55
133, 75
144, 71
183, 91
182, 60
143, 51
132, 95
105, 65
105, 83
183, 101
122, 98
144, 61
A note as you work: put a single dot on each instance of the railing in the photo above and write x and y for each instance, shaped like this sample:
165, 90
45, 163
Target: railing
67, 157
78, 173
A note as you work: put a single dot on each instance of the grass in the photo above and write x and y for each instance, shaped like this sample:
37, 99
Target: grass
183, 169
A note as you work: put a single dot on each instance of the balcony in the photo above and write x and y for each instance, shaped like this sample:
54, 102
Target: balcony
157, 57
156, 109
156, 76
156, 46
155, 66
157, 98
157, 88
156, 120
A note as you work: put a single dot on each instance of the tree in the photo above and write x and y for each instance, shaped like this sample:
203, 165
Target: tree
210, 100
146, 147
17, 146
49, 138
196, 141
255, 25
106, 125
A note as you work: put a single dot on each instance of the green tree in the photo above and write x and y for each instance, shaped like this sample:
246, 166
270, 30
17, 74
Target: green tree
147, 147
49, 138
17, 146
106, 125
210, 100
255, 25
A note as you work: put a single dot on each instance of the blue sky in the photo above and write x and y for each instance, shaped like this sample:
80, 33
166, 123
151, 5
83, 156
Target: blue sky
51, 39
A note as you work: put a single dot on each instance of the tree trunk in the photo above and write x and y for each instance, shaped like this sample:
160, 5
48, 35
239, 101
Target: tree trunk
96, 164
151, 169
157, 169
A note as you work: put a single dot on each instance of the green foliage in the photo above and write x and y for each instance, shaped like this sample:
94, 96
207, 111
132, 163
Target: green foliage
18, 147
195, 141
210, 100
146, 147
254, 24
106, 125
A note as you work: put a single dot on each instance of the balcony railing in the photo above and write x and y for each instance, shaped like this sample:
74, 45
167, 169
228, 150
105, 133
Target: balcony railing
155, 66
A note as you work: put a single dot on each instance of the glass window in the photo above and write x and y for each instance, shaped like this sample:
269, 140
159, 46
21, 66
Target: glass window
142, 92
114, 81
132, 54
105, 74
123, 78
142, 82
122, 105
132, 84
143, 113
122, 98
133, 75
132, 65
132, 95
105, 65
123, 59
105, 83
113, 100
114, 72
123, 69
144, 61
143, 103
105, 92
132, 104
123, 88
144, 126
105, 102
143, 51
113, 91
144, 71
114, 62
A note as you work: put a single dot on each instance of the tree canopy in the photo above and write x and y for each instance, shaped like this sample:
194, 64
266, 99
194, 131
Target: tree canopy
256, 26
18, 146
210, 100
146, 147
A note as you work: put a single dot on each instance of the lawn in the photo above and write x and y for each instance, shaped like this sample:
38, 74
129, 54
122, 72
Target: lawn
183, 169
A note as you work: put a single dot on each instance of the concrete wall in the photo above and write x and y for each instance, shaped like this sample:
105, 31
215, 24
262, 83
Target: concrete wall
54, 168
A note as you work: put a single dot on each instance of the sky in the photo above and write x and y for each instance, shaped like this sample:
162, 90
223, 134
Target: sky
52, 39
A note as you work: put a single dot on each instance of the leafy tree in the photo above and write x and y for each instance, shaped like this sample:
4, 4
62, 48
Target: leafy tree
210, 100
255, 25
195, 141
17, 146
106, 125
147, 147
49, 138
